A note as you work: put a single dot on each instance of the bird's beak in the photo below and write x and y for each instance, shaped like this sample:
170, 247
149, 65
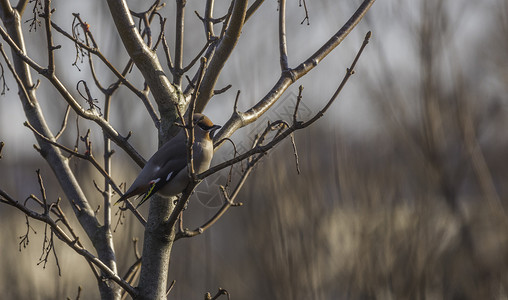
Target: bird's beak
213, 129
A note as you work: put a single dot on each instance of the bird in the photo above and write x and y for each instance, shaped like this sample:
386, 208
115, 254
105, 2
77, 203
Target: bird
166, 171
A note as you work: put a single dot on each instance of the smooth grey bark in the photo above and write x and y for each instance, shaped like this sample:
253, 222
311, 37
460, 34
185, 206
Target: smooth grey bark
100, 237
158, 242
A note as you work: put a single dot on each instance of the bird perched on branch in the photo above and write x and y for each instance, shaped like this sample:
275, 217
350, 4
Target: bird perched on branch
166, 171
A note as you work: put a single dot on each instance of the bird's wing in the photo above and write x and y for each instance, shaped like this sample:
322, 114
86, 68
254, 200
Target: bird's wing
164, 176
170, 158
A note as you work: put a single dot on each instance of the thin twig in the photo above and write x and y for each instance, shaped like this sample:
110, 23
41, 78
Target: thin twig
180, 24
295, 152
221, 292
64, 123
189, 129
298, 100
14, 73
89, 99
195, 59
171, 286
131, 272
165, 46
162, 22
78, 295
235, 106
43, 190
282, 36
107, 166
222, 90
306, 12
252, 9
49, 38
5, 87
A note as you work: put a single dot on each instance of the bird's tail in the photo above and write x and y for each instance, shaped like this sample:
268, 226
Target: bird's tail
148, 191
147, 195
125, 196
120, 200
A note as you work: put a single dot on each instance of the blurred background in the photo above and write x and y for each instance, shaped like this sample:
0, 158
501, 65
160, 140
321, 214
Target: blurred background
402, 192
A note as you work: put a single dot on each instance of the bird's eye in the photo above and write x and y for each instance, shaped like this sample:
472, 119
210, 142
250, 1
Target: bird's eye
204, 126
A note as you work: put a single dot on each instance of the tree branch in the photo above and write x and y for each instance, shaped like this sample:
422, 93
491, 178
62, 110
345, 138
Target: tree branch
282, 36
6, 8
222, 53
180, 25
239, 120
208, 19
49, 38
252, 9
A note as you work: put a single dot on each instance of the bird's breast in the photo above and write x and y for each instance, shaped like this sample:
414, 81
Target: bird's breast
202, 155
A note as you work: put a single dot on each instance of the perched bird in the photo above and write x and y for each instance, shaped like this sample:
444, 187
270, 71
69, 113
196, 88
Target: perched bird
166, 171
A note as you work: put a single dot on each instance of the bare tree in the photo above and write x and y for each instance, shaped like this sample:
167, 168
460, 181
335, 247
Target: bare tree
172, 98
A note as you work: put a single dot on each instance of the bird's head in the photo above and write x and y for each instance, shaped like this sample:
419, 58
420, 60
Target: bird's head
205, 124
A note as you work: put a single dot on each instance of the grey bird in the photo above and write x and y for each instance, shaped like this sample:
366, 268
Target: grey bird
166, 171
